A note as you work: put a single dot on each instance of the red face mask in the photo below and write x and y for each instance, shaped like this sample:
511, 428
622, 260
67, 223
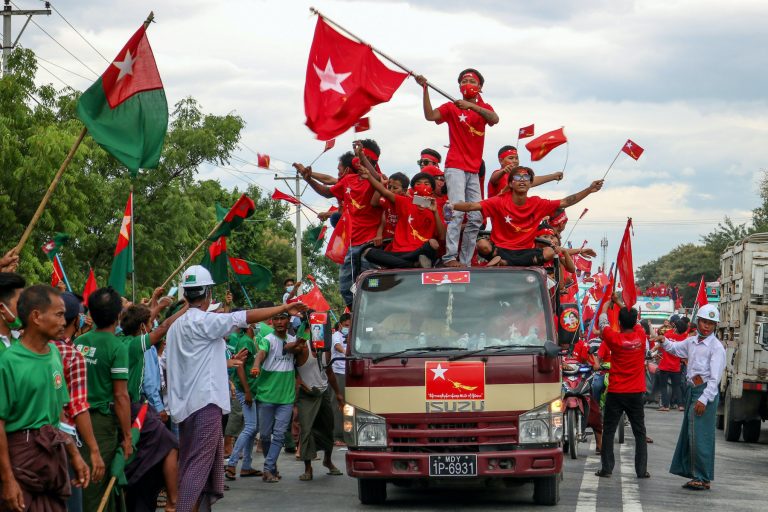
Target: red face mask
469, 91
422, 189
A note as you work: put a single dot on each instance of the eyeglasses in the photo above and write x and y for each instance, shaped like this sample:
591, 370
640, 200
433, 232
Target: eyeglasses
441, 178
425, 162
521, 177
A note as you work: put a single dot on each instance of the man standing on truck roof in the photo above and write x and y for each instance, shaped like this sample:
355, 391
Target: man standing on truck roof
695, 452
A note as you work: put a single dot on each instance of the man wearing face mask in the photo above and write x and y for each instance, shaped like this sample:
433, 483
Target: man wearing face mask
338, 352
467, 121
11, 286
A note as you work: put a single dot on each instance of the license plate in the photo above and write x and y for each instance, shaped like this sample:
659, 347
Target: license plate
453, 465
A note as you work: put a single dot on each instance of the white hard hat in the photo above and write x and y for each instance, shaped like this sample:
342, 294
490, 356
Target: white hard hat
196, 276
708, 312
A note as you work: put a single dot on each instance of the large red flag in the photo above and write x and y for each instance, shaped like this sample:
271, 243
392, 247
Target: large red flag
344, 81
701, 295
281, 196
338, 244
632, 149
90, 286
543, 144
625, 268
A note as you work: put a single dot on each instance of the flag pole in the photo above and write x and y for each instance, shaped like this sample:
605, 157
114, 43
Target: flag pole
614, 161
133, 252
63, 273
318, 157
49, 192
390, 59
194, 251
568, 238
567, 152
104, 498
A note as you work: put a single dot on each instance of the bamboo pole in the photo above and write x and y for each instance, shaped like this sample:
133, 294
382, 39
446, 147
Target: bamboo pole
104, 498
194, 251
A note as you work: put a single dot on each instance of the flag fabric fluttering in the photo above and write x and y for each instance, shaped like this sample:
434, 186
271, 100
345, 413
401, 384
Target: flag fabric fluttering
122, 263
363, 124
338, 244
701, 294
117, 469
582, 263
241, 210
262, 160
282, 196
58, 271
525, 132
344, 81
52, 247
125, 110
329, 144
625, 268
215, 260
543, 144
251, 274
314, 298
632, 149
316, 234
90, 286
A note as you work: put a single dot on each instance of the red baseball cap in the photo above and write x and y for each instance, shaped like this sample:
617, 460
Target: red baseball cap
432, 171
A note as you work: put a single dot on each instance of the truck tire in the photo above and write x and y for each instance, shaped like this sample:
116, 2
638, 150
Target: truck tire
546, 490
751, 431
732, 428
371, 491
573, 442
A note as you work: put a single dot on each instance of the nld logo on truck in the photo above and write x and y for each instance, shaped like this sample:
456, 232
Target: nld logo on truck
454, 386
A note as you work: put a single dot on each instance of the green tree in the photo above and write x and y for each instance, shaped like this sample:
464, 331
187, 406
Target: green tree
682, 265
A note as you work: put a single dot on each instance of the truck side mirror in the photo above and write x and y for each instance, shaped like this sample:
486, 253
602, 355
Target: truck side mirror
551, 350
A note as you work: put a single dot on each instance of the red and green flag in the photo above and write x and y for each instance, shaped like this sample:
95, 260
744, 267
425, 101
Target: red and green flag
251, 274
122, 263
125, 110
241, 210
215, 260
51, 249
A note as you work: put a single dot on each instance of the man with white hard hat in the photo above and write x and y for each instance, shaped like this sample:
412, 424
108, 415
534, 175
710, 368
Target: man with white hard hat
695, 453
198, 389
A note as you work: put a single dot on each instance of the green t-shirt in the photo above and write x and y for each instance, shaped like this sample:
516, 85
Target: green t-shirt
136, 346
277, 381
106, 358
246, 342
32, 388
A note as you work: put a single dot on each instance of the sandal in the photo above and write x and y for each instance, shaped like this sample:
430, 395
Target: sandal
162, 500
602, 473
306, 476
334, 471
268, 477
245, 473
696, 485
644, 475
230, 472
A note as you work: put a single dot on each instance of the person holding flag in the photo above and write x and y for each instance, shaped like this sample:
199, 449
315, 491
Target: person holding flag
198, 386
467, 120
508, 160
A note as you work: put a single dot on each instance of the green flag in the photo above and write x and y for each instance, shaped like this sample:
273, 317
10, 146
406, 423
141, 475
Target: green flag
125, 110
215, 260
52, 247
251, 274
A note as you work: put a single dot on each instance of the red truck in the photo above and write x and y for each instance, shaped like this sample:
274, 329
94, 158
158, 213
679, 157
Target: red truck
453, 375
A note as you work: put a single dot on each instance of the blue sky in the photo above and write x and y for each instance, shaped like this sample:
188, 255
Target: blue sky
684, 79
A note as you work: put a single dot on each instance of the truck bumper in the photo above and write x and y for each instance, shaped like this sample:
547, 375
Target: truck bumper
526, 463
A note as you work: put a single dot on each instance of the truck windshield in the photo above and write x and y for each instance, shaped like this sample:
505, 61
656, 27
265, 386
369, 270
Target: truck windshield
460, 310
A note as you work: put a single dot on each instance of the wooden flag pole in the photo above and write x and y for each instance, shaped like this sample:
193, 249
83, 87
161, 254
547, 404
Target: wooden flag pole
104, 498
194, 251
390, 59
49, 193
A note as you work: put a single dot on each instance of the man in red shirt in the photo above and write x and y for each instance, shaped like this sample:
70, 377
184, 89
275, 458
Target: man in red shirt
429, 157
516, 217
508, 160
355, 193
626, 386
669, 370
467, 121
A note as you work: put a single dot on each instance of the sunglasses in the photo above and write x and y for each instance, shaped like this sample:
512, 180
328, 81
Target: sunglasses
521, 177
424, 162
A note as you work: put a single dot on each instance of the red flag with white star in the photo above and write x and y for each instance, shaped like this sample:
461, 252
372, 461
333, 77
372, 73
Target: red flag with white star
344, 81
364, 124
632, 149
282, 196
543, 144
525, 132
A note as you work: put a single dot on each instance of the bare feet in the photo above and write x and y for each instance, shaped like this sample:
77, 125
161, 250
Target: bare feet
453, 264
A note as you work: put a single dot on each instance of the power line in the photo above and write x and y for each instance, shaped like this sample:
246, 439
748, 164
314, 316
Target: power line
78, 33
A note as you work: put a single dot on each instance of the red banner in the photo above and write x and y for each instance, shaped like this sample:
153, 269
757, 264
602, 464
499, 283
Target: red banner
454, 380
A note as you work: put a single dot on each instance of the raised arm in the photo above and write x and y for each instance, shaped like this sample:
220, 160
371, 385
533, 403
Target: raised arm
430, 114
253, 316
325, 179
467, 207
157, 334
540, 180
306, 173
578, 196
376, 184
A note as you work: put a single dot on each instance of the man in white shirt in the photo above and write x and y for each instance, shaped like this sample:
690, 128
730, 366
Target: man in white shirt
198, 389
695, 452
339, 351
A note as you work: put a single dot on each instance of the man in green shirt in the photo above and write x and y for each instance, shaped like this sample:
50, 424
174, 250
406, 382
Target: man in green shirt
33, 451
11, 286
106, 358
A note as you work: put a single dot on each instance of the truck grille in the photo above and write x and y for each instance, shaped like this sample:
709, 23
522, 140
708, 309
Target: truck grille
449, 436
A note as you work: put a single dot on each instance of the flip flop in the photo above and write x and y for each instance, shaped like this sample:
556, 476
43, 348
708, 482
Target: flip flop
269, 478
696, 485
305, 477
229, 473
335, 472
245, 473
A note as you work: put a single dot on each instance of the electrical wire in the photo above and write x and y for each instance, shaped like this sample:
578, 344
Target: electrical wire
79, 34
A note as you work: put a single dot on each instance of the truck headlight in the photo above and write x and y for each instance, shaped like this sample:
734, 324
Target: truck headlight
543, 424
362, 428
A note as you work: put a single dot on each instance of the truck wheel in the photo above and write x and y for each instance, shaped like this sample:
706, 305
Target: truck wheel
752, 431
731, 427
371, 492
546, 490
573, 442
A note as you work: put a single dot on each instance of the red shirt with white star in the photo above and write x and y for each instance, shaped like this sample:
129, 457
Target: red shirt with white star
415, 227
493, 190
356, 193
466, 136
390, 218
514, 227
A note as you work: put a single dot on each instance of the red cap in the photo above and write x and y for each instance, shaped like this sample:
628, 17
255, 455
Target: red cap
545, 232
432, 171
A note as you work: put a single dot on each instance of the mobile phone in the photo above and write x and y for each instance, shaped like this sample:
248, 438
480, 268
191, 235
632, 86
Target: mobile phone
422, 201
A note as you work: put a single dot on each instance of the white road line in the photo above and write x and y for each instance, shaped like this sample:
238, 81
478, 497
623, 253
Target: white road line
630, 491
587, 499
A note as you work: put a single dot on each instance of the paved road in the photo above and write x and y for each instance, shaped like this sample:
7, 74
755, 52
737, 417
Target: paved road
741, 471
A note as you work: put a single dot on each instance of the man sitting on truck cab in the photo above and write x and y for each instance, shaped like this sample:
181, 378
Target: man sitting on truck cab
515, 218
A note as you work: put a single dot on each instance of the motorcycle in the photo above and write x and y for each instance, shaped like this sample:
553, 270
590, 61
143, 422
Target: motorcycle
577, 390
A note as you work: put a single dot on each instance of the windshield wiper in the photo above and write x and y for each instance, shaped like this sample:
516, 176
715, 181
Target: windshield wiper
421, 349
486, 349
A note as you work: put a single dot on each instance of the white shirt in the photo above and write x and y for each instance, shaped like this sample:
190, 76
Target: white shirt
339, 366
196, 361
706, 358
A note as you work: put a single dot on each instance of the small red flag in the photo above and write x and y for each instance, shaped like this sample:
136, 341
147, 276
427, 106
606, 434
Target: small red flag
632, 149
329, 144
280, 196
701, 295
90, 286
582, 263
543, 144
58, 273
321, 235
338, 243
525, 132
692, 285
314, 298
363, 124
625, 268
263, 160
344, 81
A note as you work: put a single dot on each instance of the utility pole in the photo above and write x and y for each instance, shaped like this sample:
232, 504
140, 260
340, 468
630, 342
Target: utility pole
297, 193
604, 247
7, 12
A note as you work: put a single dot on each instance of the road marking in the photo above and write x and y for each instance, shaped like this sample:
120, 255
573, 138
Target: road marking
630, 491
587, 499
